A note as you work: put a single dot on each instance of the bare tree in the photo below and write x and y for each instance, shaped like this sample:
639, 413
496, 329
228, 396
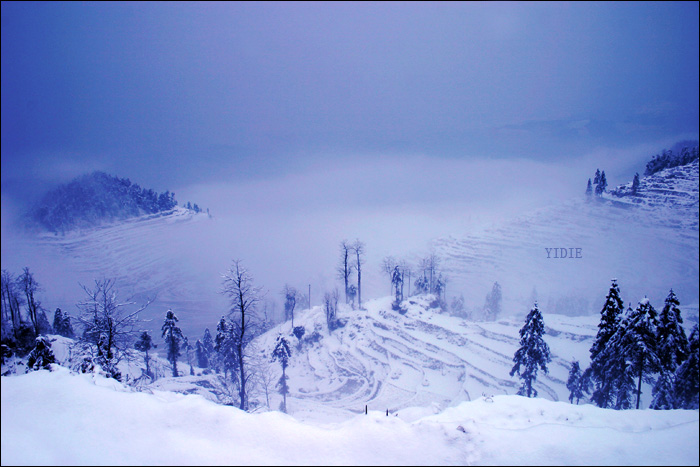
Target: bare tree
359, 248
344, 268
30, 286
238, 286
110, 327
11, 301
429, 266
388, 265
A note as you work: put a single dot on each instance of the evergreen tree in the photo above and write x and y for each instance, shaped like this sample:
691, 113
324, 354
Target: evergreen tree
589, 188
614, 365
397, 282
673, 348
188, 352
58, 322
575, 383
636, 344
172, 336
492, 308
601, 185
596, 179
662, 393
44, 325
208, 344
201, 355
533, 352
686, 384
225, 347
282, 353
66, 326
144, 344
41, 355
635, 184
609, 321
672, 342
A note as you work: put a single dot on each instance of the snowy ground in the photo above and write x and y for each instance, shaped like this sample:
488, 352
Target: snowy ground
64, 418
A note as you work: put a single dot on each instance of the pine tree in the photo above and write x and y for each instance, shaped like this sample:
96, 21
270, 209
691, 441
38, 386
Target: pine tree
686, 384
635, 184
67, 326
41, 355
188, 352
397, 282
673, 348
609, 321
172, 336
672, 342
533, 352
201, 355
589, 188
224, 345
601, 185
637, 343
208, 344
144, 344
596, 179
613, 364
575, 383
58, 322
282, 353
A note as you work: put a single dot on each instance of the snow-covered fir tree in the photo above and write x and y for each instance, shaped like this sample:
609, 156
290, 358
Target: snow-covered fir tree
41, 355
201, 355
615, 367
208, 344
282, 353
225, 348
635, 184
575, 383
397, 282
635, 344
187, 348
172, 336
686, 384
672, 342
589, 188
532, 354
609, 321
602, 185
673, 348
144, 344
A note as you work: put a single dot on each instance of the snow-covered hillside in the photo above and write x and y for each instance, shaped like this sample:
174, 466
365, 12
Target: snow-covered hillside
648, 242
64, 418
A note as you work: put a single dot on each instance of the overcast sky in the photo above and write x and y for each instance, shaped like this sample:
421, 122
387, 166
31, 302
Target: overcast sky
172, 95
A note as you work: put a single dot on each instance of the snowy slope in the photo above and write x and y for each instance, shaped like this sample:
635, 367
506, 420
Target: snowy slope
424, 358
648, 242
63, 418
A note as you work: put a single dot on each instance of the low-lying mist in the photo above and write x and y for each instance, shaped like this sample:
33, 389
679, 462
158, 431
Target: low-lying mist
287, 229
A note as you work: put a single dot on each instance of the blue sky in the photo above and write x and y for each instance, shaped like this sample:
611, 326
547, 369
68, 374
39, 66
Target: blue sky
177, 94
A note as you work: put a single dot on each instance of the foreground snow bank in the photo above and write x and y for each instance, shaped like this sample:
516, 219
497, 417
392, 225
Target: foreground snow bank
63, 418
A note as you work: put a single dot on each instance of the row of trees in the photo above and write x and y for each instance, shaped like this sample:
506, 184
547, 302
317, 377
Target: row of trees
600, 182
91, 199
23, 317
687, 153
639, 345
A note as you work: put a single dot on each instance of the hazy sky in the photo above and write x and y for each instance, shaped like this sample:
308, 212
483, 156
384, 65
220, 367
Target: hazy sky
173, 95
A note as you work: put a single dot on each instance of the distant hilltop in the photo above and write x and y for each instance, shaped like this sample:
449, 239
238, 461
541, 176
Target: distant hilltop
95, 199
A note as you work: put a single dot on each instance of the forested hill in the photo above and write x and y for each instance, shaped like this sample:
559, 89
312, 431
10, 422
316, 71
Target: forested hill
94, 199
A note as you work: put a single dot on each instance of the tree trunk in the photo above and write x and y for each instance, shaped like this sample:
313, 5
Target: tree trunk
639, 384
